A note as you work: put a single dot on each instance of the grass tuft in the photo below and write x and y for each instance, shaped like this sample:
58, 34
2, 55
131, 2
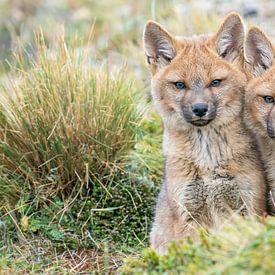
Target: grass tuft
64, 126
69, 155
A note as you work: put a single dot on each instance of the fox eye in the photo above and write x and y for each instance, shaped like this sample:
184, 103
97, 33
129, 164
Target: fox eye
180, 85
268, 99
215, 83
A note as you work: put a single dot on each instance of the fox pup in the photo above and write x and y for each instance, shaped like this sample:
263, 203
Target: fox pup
260, 101
212, 165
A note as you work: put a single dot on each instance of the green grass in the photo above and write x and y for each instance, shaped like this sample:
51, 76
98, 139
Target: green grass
241, 247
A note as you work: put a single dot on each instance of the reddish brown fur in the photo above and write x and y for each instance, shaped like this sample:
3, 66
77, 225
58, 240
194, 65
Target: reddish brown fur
212, 171
259, 115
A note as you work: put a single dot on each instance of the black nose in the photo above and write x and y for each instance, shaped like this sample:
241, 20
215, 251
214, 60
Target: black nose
200, 109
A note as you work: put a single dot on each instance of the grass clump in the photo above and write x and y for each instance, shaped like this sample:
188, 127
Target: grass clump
65, 126
243, 247
67, 135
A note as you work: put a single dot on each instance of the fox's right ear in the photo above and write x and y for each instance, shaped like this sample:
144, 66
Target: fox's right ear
230, 37
158, 44
258, 51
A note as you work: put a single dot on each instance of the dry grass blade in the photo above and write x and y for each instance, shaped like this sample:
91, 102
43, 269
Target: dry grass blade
63, 117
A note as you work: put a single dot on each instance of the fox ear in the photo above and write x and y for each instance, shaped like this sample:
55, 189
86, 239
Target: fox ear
230, 37
258, 51
158, 44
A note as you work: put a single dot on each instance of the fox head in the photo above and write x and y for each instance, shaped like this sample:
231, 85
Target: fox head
197, 81
260, 91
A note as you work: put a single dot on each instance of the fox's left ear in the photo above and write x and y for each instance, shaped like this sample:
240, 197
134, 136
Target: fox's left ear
230, 37
258, 51
159, 44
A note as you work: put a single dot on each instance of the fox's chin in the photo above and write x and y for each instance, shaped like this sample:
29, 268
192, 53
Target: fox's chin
201, 122
270, 132
272, 136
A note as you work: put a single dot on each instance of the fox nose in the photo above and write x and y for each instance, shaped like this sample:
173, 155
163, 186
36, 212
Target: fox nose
200, 109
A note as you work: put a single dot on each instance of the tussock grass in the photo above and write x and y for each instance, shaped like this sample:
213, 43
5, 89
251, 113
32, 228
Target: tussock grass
64, 125
70, 160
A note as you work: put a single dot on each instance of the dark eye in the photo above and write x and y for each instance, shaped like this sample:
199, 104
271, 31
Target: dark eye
215, 83
268, 99
180, 85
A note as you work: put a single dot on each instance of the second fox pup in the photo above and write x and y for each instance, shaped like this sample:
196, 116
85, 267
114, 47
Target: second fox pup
212, 166
260, 101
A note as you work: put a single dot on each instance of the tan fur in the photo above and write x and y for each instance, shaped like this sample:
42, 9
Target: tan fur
259, 115
212, 171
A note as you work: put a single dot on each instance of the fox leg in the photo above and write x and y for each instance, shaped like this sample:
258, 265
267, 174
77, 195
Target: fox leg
169, 230
162, 232
161, 235
169, 226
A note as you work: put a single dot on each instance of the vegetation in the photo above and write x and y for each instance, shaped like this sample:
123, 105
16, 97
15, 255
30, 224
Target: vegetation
74, 170
242, 247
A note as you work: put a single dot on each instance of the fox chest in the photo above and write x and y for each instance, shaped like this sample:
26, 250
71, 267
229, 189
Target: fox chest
205, 195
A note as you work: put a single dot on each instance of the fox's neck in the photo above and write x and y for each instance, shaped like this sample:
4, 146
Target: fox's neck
206, 147
267, 146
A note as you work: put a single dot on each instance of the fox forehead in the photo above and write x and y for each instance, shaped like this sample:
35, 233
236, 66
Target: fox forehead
201, 38
263, 85
195, 61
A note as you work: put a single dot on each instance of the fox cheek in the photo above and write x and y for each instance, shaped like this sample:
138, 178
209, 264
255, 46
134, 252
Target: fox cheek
271, 124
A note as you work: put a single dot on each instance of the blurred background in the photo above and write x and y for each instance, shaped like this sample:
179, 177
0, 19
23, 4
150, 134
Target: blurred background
116, 26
